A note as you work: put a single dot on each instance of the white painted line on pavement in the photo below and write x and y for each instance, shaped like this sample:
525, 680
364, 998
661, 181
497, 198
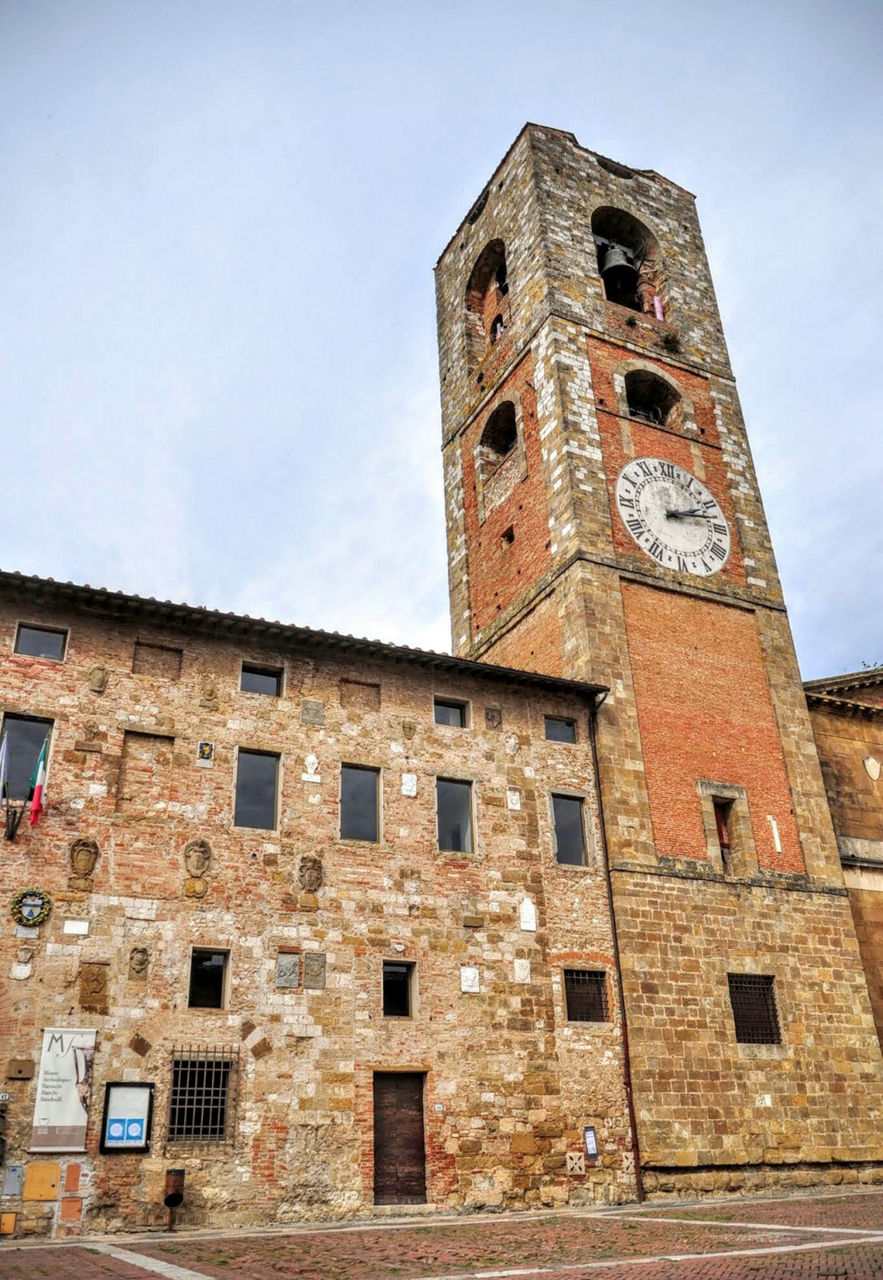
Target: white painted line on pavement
565, 1267
170, 1270
756, 1226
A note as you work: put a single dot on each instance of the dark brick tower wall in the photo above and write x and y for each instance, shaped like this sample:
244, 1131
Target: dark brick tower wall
553, 381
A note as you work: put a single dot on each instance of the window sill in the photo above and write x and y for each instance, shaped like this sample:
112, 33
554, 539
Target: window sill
762, 1051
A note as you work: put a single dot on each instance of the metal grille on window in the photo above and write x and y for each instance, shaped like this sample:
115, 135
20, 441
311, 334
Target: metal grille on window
586, 994
754, 1008
202, 1106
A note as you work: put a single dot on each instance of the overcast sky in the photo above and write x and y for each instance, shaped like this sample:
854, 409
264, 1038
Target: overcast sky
218, 226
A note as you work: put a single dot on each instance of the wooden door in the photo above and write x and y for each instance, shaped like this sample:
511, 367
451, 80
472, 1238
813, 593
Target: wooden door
399, 1151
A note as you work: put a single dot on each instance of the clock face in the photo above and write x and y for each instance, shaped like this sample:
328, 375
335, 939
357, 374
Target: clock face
672, 516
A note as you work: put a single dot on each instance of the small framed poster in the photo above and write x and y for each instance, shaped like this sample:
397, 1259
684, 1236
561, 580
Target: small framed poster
590, 1138
128, 1115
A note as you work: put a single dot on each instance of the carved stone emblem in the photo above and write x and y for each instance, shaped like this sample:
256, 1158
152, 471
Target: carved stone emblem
872, 767
83, 857
197, 856
139, 960
94, 986
314, 970
493, 717
197, 860
310, 874
208, 694
312, 711
288, 969
97, 679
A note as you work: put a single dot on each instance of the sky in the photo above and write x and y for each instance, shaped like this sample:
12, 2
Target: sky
218, 371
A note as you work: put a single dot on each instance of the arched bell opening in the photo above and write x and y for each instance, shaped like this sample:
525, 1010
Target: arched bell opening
650, 398
629, 262
487, 302
498, 440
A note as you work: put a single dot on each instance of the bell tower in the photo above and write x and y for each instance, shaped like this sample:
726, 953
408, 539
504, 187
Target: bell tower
604, 523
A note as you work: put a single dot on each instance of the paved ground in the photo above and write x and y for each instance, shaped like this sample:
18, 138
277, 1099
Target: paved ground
813, 1237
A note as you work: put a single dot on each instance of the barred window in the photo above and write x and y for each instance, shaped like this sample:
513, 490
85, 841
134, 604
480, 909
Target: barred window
203, 1099
585, 993
754, 1008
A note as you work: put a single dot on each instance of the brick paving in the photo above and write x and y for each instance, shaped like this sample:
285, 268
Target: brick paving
626, 1244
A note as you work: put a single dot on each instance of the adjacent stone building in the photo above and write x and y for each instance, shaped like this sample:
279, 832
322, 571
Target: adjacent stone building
327, 924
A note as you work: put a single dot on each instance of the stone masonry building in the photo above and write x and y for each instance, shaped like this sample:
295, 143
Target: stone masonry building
326, 924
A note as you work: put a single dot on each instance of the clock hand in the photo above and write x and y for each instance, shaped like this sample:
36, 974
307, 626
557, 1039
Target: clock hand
678, 515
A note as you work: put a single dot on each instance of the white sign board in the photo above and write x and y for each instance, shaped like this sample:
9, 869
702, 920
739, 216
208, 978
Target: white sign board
64, 1089
127, 1117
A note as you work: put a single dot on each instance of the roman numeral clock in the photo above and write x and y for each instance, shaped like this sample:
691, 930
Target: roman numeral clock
672, 516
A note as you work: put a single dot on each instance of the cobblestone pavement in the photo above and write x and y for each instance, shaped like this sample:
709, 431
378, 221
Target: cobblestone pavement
820, 1237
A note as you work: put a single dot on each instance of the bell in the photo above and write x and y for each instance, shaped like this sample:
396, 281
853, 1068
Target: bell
618, 268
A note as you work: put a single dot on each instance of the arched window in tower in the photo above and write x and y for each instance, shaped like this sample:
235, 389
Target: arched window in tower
629, 262
498, 439
650, 398
487, 302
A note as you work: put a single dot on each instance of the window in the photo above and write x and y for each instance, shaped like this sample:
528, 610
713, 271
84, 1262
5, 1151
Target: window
397, 988
261, 680
585, 994
558, 730
256, 779
754, 1008
570, 840
628, 261
723, 810
24, 741
487, 301
651, 399
498, 439
358, 802
454, 800
40, 642
452, 713
208, 973
203, 1096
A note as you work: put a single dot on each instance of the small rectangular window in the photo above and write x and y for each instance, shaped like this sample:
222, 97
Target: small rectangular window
24, 741
261, 680
397, 976
559, 730
208, 972
358, 802
585, 993
203, 1096
723, 812
570, 839
40, 642
454, 800
754, 1008
451, 713
256, 783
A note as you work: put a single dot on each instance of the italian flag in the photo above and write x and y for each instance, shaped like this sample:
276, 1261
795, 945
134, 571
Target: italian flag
38, 782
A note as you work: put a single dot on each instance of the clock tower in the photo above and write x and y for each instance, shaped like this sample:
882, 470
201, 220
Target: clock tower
605, 524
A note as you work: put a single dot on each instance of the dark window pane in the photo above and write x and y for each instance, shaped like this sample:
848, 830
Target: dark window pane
450, 713
454, 815
199, 1101
38, 642
754, 1008
207, 979
260, 680
358, 803
24, 740
570, 844
558, 730
396, 989
256, 790
585, 993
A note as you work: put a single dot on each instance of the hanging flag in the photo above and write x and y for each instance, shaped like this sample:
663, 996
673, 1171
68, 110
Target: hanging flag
38, 782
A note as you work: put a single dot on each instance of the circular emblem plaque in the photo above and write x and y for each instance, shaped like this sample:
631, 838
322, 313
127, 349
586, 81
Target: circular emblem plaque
31, 907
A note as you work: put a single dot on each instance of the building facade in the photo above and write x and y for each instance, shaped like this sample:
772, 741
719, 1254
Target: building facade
330, 925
